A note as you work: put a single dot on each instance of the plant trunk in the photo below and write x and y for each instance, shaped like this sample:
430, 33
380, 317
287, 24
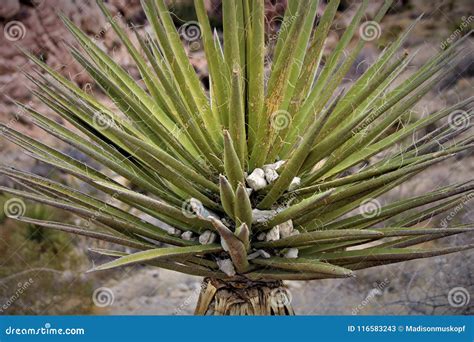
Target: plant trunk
244, 298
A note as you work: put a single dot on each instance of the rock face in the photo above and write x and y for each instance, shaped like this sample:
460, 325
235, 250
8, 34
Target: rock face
9, 8
35, 26
38, 30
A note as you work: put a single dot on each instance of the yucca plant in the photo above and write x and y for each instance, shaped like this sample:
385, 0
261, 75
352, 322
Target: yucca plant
261, 179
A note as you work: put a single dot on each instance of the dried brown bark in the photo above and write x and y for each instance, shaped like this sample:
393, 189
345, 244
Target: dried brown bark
244, 298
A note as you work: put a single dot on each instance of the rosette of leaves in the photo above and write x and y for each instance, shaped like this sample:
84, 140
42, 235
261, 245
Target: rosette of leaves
262, 178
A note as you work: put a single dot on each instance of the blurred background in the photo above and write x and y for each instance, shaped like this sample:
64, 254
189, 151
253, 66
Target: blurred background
43, 271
